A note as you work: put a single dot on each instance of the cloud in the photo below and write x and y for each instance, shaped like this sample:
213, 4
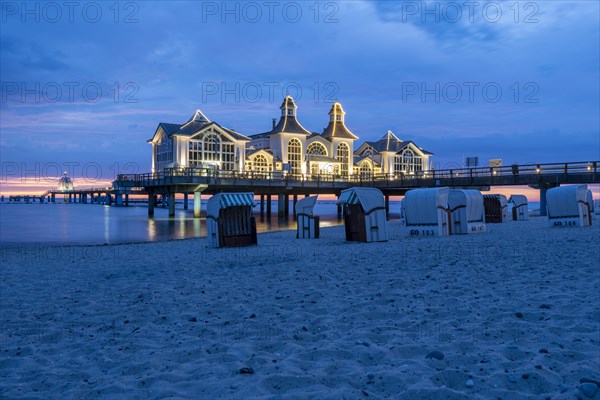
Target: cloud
365, 58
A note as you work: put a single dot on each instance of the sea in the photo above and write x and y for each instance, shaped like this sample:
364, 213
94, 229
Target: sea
94, 224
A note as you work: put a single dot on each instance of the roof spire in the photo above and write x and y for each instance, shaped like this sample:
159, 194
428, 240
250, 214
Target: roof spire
198, 117
337, 112
288, 107
337, 127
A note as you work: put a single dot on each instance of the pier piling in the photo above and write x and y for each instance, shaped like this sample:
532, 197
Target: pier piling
151, 201
197, 204
286, 205
294, 201
280, 205
171, 204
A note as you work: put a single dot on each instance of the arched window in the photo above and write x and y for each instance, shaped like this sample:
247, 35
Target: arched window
408, 162
295, 156
260, 163
214, 149
368, 152
211, 147
365, 169
316, 149
342, 156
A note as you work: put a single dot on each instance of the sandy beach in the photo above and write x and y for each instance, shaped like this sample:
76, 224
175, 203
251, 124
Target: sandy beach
510, 314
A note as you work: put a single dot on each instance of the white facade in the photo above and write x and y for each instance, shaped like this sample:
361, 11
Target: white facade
302, 152
287, 148
198, 143
393, 156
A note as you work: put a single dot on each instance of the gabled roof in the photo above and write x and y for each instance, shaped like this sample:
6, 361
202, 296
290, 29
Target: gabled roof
337, 128
357, 160
315, 137
169, 128
250, 152
409, 142
234, 134
199, 117
195, 124
390, 142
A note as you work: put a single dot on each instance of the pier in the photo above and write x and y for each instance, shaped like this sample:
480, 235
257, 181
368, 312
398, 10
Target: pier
162, 187
198, 181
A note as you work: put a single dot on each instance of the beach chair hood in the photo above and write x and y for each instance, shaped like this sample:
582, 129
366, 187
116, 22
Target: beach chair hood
370, 199
564, 201
421, 205
224, 200
306, 205
518, 200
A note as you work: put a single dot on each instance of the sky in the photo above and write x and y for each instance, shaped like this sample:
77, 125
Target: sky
85, 84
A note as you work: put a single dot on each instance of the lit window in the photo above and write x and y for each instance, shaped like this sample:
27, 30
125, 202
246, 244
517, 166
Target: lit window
295, 156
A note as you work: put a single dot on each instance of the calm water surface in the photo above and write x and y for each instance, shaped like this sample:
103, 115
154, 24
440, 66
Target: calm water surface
98, 224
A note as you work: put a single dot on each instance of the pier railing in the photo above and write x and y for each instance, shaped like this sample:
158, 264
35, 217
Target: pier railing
398, 179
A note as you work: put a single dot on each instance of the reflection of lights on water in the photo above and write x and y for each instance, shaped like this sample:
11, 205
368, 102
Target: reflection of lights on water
106, 224
151, 229
181, 222
183, 226
197, 227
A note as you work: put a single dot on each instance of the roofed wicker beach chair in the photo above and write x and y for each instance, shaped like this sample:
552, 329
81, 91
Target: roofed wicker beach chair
426, 212
308, 224
568, 206
496, 208
364, 216
520, 211
229, 220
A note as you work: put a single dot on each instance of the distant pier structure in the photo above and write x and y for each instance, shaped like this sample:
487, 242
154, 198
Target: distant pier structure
65, 184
